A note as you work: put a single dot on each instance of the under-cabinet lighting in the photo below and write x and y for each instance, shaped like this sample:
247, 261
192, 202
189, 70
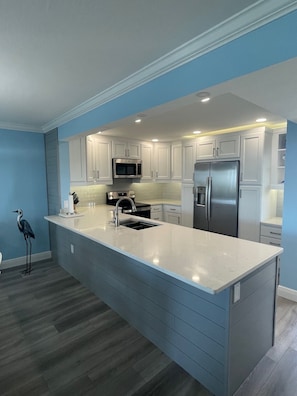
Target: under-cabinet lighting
155, 140
196, 132
261, 119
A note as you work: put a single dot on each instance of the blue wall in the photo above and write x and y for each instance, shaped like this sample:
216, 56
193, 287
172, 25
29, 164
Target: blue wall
289, 235
268, 45
23, 185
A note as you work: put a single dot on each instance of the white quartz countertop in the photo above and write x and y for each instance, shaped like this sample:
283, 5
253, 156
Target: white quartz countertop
162, 202
208, 261
274, 221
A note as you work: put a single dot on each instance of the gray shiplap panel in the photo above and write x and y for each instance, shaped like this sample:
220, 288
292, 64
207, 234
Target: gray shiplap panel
103, 271
252, 324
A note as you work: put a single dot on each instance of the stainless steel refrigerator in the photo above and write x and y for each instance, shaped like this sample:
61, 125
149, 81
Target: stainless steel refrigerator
216, 193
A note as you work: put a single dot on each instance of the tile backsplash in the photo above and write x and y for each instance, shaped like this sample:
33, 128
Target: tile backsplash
97, 193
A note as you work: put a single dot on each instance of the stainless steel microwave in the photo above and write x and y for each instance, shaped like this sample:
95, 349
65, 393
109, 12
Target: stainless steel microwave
126, 168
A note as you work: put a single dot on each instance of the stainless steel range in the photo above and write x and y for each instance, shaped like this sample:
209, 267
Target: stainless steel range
142, 209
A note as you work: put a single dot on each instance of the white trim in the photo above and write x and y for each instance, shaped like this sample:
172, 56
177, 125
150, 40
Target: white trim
20, 127
22, 260
289, 294
249, 19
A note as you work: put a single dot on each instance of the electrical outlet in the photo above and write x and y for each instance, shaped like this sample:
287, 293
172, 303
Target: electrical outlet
236, 290
72, 248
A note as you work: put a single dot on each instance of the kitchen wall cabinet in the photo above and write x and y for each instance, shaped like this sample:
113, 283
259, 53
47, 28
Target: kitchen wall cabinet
218, 147
125, 149
147, 156
157, 212
249, 214
99, 164
278, 159
188, 160
77, 159
162, 171
172, 214
176, 161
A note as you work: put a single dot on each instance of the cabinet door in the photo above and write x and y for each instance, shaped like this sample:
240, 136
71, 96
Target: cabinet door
173, 218
103, 166
162, 161
133, 150
91, 164
228, 145
77, 159
251, 158
176, 161
147, 156
125, 149
249, 213
189, 158
206, 148
187, 208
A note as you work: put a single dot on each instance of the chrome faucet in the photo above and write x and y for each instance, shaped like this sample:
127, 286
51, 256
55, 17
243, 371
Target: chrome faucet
116, 211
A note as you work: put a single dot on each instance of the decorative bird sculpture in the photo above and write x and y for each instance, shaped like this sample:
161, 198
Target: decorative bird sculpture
26, 230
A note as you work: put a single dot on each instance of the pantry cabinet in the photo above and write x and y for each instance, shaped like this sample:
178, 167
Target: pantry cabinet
249, 215
147, 156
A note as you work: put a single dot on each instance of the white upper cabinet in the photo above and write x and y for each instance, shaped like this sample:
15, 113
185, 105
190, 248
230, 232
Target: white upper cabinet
162, 161
147, 156
188, 161
278, 158
125, 149
255, 160
99, 166
218, 147
77, 159
176, 161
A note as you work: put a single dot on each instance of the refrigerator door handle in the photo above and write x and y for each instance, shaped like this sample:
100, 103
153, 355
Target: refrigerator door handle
208, 197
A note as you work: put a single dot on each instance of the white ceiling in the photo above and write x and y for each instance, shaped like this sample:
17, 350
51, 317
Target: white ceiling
58, 54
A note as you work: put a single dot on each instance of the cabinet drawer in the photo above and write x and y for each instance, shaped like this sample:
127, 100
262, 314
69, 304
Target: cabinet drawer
270, 241
172, 208
156, 208
271, 231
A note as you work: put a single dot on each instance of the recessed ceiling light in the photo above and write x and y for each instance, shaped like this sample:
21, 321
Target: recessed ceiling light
155, 140
196, 132
99, 132
261, 119
203, 95
205, 100
138, 120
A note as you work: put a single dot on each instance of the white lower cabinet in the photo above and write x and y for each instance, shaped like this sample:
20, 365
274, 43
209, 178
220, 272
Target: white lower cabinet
271, 234
157, 212
172, 214
249, 214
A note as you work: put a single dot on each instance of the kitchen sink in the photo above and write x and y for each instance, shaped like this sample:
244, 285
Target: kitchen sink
137, 224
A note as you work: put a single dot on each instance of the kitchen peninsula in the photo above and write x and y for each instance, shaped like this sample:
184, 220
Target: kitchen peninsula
206, 300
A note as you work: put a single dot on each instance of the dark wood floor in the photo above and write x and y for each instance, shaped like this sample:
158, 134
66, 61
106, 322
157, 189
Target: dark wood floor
57, 338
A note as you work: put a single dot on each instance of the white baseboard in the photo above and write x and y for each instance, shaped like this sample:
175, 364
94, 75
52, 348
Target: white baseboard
289, 294
22, 260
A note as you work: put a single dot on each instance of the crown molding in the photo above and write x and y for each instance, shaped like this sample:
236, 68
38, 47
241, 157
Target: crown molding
20, 127
251, 18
